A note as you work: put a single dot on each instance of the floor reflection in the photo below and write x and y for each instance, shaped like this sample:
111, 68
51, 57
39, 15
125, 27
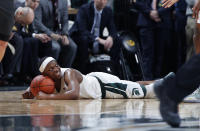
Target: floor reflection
86, 122
119, 114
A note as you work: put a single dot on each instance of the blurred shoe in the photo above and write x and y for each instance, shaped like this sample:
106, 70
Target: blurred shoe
168, 107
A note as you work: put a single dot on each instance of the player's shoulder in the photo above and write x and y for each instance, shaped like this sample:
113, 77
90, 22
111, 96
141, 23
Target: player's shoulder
73, 73
68, 70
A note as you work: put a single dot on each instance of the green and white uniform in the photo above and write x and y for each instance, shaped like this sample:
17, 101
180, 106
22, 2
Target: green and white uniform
98, 85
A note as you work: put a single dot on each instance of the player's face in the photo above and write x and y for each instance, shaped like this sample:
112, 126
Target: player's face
53, 70
100, 4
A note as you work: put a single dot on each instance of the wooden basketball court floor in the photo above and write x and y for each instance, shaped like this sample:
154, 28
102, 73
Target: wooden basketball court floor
89, 115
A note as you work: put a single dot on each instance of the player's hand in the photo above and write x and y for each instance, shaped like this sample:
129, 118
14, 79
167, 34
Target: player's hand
27, 95
168, 3
196, 9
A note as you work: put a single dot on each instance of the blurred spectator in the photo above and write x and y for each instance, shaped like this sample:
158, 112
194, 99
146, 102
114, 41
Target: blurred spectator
51, 18
155, 25
36, 45
87, 32
12, 60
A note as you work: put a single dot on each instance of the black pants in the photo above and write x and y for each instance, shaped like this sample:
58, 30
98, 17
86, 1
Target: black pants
67, 54
83, 51
155, 41
180, 23
186, 81
33, 49
147, 37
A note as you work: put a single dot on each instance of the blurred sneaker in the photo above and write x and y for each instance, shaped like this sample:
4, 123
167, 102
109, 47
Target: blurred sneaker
168, 107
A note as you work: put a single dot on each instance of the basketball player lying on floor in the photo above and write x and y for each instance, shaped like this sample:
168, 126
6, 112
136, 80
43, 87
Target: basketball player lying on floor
70, 84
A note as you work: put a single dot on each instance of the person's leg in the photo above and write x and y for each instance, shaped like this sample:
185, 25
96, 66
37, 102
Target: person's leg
30, 56
67, 54
180, 23
116, 88
163, 41
186, 81
25, 67
115, 56
35, 45
190, 27
114, 52
172, 89
55, 49
45, 49
147, 38
136, 90
82, 53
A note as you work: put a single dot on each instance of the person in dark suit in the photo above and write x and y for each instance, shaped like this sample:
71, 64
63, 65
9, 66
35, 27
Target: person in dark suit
36, 45
6, 23
87, 32
51, 18
154, 24
12, 60
174, 88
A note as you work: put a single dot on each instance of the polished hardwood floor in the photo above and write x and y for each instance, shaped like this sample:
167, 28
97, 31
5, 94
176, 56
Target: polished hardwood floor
107, 114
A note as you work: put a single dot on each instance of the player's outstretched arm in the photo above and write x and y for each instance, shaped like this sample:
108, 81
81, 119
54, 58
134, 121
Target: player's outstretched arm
168, 3
73, 84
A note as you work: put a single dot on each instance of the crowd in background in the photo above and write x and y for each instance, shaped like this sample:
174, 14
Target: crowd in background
165, 35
